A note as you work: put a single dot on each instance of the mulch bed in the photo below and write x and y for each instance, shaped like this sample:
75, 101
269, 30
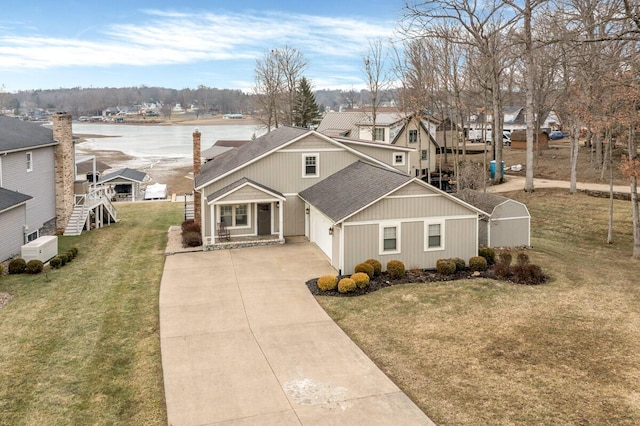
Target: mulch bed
411, 277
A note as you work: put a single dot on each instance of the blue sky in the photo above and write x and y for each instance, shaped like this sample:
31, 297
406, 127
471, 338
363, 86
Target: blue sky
51, 44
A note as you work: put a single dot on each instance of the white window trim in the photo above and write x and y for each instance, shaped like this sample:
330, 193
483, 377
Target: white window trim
440, 222
304, 164
424, 157
29, 161
401, 163
398, 227
384, 134
233, 214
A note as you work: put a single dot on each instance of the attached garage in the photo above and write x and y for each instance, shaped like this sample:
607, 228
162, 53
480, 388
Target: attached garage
506, 223
319, 226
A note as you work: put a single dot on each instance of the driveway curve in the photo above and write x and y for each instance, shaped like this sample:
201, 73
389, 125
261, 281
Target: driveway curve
244, 343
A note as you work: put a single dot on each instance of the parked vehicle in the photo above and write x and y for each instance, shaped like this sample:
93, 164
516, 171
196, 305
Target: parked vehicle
556, 134
477, 136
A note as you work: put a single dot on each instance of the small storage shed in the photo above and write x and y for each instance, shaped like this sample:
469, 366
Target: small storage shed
125, 184
507, 222
519, 140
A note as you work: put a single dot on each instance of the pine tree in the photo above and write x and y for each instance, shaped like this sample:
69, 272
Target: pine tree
306, 108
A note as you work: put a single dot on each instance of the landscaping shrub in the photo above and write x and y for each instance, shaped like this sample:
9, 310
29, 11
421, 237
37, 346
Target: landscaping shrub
377, 266
191, 239
446, 266
69, 256
367, 268
505, 257
346, 285
395, 269
190, 225
488, 253
17, 266
528, 274
74, 250
56, 262
502, 270
478, 263
1, 269
522, 259
361, 279
327, 282
64, 257
460, 264
34, 266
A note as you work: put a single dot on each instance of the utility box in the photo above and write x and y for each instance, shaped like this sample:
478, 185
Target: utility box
43, 249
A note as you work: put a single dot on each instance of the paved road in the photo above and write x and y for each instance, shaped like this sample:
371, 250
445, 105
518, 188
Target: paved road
245, 343
516, 183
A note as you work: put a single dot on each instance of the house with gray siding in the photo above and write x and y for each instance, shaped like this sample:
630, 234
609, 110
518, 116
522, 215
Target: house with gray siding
27, 180
355, 199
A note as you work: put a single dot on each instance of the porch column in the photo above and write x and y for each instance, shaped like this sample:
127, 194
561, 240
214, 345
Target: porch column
281, 220
212, 221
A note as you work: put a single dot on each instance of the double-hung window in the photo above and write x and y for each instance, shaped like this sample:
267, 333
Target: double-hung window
29, 161
413, 136
389, 238
236, 215
424, 154
310, 165
434, 235
379, 134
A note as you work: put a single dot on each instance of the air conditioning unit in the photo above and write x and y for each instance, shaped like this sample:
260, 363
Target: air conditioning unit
43, 249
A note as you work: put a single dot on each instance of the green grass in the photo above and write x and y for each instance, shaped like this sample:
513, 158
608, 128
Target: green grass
486, 352
80, 345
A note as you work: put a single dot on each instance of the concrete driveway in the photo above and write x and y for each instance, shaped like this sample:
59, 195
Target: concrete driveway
245, 343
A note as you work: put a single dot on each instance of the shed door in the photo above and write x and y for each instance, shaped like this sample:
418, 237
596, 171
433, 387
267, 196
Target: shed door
320, 231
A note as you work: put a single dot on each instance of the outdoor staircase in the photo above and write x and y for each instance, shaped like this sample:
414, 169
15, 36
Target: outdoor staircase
96, 202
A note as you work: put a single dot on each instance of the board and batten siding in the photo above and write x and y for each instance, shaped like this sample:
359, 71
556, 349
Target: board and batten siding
362, 241
11, 231
509, 232
244, 195
435, 205
38, 183
293, 216
383, 154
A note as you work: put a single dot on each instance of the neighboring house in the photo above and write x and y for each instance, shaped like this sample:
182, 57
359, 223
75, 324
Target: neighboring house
514, 118
506, 222
393, 127
355, 199
27, 178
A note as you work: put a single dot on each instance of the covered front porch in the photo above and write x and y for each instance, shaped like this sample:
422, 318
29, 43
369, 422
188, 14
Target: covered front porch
243, 214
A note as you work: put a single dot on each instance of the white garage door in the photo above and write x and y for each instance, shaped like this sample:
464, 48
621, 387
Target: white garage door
320, 231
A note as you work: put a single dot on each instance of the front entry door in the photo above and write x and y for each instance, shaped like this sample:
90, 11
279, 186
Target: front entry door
264, 219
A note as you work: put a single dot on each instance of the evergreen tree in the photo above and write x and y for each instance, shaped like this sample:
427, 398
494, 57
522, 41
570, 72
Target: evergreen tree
306, 108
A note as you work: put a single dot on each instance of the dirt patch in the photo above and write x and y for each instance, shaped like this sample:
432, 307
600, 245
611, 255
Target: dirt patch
4, 299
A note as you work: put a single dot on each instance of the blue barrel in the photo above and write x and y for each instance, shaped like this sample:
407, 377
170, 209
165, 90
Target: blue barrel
492, 168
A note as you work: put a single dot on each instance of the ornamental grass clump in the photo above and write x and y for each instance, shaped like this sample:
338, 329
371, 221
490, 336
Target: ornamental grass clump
361, 279
17, 266
478, 263
395, 269
446, 267
377, 266
327, 282
367, 268
34, 266
522, 259
346, 285
191, 239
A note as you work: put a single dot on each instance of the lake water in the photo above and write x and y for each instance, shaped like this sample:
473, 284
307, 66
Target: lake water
159, 141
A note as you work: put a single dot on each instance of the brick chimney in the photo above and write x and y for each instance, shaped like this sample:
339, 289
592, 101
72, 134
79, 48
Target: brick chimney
64, 168
197, 214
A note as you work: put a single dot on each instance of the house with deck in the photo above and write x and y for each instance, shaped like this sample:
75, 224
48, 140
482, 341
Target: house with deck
355, 199
39, 190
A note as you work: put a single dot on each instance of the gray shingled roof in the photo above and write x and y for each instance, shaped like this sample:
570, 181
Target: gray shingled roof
214, 151
484, 201
126, 173
238, 183
9, 199
247, 153
353, 188
16, 134
231, 143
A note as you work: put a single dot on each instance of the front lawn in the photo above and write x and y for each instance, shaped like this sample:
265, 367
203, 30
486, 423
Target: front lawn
81, 344
490, 352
